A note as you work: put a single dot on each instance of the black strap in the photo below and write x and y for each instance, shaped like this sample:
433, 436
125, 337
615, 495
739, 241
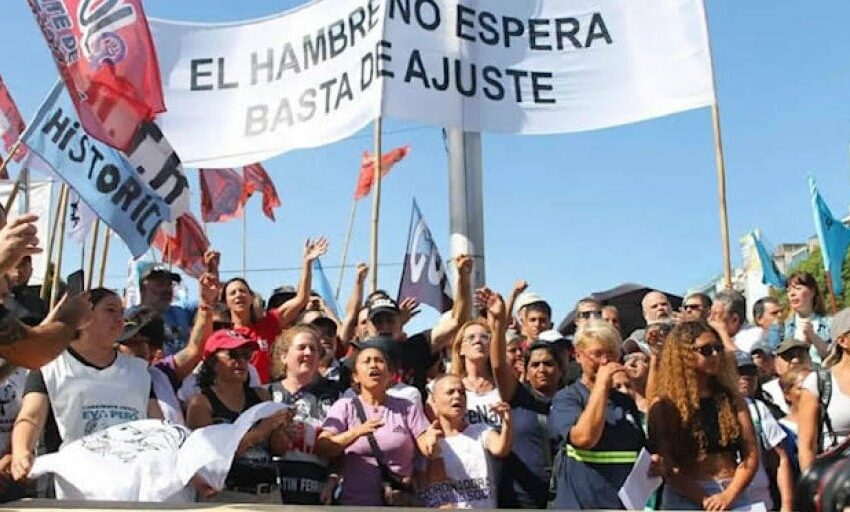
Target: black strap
386, 474
824, 380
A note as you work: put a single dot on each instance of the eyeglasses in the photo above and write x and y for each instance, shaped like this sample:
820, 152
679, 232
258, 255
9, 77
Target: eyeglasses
691, 307
598, 356
709, 350
469, 338
589, 314
237, 354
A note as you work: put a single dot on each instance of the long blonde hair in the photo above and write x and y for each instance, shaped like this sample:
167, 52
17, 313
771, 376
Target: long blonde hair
677, 384
458, 366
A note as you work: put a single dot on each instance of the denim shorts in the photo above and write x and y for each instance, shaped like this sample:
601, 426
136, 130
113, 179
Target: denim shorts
672, 500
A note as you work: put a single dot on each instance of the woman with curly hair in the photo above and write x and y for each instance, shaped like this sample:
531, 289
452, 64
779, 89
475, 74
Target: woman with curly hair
700, 424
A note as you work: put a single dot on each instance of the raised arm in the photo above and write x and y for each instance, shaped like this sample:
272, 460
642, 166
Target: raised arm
588, 429
499, 443
445, 329
288, 311
352, 309
519, 287
33, 347
186, 359
506, 379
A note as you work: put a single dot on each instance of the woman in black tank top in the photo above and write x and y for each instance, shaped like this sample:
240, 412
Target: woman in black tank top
225, 395
700, 424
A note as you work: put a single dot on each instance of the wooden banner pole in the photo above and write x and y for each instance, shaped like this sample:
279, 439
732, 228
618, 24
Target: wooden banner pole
92, 254
376, 204
345, 247
50, 242
57, 269
106, 235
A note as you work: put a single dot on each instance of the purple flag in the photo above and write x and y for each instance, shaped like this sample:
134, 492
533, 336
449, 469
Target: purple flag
424, 276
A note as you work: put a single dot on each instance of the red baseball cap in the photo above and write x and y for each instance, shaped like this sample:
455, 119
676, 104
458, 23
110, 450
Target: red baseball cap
226, 339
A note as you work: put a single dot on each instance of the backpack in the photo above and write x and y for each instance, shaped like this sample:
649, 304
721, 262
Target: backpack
824, 380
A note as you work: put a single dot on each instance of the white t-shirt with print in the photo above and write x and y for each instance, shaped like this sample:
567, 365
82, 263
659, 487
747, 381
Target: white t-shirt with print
478, 407
86, 399
769, 435
838, 408
469, 468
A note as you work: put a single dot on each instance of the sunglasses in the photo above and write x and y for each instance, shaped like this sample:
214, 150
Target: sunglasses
691, 307
237, 354
709, 350
589, 314
218, 325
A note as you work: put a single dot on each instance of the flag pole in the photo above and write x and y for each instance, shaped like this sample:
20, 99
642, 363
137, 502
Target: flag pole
832, 299
102, 277
244, 241
50, 241
63, 210
92, 254
5, 163
345, 247
376, 204
720, 164
4, 175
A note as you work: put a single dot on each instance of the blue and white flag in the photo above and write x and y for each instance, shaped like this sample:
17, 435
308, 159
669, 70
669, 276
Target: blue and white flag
323, 286
424, 275
101, 176
833, 235
770, 274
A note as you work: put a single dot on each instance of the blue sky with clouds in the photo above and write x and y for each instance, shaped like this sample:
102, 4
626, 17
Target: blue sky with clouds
570, 213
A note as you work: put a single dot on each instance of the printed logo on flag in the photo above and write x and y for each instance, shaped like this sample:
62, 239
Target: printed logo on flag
424, 275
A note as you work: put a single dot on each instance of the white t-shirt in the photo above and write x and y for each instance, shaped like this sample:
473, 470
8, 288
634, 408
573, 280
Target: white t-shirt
469, 468
838, 408
86, 399
746, 339
478, 407
166, 397
769, 435
773, 389
11, 393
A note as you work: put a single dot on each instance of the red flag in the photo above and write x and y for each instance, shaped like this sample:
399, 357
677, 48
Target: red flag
256, 178
367, 169
11, 123
186, 248
104, 52
221, 194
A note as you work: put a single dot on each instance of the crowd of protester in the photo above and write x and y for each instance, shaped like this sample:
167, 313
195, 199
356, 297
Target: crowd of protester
490, 408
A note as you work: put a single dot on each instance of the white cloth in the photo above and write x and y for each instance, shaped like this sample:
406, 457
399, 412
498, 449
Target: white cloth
133, 461
86, 399
166, 397
773, 389
469, 468
748, 338
478, 407
838, 408
770, 435
11, 393
324, 70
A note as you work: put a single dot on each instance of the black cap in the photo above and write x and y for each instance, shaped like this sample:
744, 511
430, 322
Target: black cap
382, 305
280, 295
159, 271
386, 344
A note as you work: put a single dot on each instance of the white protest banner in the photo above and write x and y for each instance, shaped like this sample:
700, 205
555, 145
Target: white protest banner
243, 92
545, 66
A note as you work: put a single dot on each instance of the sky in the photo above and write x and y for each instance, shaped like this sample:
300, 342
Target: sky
572, 213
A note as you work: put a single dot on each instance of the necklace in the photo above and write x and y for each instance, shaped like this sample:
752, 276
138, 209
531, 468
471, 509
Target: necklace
479, 385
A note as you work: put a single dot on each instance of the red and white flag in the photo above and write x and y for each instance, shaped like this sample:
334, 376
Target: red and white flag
186, 247
367, 169
106, 57
11, 124
221, 194
257, 179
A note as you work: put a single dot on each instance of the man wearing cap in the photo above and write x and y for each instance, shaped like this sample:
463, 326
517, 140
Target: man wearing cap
535, 315
789, 352
156, 285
